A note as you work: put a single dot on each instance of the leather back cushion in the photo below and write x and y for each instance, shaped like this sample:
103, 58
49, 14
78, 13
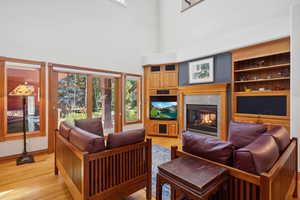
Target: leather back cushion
281, 137
115, 140
208, 147
257, 157
92, 125
241, 134
65, 128
85, 141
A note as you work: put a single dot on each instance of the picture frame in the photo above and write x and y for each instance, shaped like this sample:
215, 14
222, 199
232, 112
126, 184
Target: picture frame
201, 71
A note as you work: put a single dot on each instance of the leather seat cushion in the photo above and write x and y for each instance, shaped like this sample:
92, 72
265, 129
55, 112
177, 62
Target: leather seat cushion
208, 147
241, 134
115, 140
85, 141
65, 128
257, 157
92, 125
281, 137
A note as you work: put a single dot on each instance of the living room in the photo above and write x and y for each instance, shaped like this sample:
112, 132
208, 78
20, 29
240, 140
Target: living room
155, 81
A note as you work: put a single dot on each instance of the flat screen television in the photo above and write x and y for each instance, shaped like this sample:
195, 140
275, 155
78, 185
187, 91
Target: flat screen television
163, 110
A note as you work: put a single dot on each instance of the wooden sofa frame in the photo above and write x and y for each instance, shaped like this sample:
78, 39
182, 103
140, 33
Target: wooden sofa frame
110, 174
279, 183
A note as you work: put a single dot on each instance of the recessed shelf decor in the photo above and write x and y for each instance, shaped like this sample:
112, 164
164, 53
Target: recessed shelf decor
263, 80
264, 68
266, 73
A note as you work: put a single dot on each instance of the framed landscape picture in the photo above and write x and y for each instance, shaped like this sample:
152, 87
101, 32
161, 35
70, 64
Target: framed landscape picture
201, 71
186, 4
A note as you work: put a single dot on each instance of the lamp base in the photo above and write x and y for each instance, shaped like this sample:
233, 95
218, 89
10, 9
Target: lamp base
24, 159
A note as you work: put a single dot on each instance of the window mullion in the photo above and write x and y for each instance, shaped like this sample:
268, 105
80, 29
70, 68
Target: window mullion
89, 96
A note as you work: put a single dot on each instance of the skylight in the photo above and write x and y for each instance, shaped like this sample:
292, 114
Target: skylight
122, 2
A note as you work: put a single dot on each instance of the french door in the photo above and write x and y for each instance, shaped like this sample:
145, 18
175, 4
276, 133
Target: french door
79, 95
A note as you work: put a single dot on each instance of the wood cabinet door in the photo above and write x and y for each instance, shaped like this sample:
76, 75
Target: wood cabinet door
172, 129
170, 79
153, 128
154, 80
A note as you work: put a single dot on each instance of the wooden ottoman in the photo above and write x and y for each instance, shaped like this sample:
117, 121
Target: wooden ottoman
195, 178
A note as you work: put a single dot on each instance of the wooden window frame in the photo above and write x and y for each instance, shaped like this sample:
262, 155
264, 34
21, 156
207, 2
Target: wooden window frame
140, 100
4, 136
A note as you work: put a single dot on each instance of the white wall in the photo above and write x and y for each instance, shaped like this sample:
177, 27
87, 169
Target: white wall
215, 26
94, 33
295, 78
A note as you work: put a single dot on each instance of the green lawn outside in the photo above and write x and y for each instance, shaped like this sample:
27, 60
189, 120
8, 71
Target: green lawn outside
131, 115
70, 117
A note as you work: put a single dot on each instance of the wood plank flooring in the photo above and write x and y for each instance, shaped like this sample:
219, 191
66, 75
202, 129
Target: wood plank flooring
37, 181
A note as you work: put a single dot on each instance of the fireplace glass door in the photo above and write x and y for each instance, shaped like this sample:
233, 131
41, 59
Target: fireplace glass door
202, 119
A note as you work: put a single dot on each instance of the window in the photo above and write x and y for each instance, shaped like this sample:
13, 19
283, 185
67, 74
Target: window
104, 101
186, 4
14, 72
71, 97
132, 99
15, 77
123, 2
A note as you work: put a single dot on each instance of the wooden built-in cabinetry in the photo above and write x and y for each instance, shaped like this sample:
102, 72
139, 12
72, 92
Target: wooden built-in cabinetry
261, 83
162, 128
162, 76
160, 80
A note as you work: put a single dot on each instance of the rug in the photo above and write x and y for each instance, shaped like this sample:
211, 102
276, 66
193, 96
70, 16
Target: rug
160, 155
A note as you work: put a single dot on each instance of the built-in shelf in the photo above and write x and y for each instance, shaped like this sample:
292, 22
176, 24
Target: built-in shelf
273, 92
261, 83
263, 80
263, 68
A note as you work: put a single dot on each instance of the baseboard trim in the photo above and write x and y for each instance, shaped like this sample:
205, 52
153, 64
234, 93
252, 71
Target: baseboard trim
12, 157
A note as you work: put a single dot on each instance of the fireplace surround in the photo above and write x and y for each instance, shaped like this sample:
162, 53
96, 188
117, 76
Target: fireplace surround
205, 94
202, 119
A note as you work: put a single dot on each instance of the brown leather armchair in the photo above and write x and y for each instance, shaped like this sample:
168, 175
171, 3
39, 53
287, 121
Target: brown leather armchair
264, 163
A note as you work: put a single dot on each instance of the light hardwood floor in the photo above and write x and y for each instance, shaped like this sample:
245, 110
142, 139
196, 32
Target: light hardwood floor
37, 181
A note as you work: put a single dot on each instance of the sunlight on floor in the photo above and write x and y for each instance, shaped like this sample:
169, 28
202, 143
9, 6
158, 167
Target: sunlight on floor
5, 192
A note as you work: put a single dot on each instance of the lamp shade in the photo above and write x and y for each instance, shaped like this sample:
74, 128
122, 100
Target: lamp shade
23, 90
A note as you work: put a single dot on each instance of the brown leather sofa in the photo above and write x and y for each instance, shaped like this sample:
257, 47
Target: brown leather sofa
262, 164
95, 169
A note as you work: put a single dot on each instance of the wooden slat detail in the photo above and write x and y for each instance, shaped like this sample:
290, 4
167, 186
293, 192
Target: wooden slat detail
241, 189
116, 169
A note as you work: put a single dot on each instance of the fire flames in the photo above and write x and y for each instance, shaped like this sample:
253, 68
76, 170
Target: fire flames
207, 119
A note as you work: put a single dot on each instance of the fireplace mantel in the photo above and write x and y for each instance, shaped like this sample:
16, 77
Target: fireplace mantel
209, 89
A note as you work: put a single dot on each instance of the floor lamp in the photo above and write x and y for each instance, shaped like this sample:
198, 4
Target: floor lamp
24, 90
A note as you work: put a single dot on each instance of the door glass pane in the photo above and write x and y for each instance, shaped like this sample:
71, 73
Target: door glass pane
131, 101
15, 77
72, 97
104, 102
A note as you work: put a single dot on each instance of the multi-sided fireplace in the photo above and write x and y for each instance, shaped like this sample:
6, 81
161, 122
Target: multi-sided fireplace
202, 119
